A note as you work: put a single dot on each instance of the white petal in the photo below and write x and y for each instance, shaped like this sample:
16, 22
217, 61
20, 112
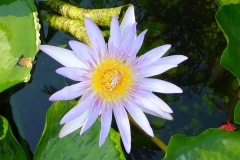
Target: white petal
95, 111
74, 124
63, 56
106, 120
167, 116
95, 36
158, 102
175, 59
115, 34
156, 85
128, 20
153, 70
83, 52
153, 55
144, 102
73, 73
129, 38
123, 126
135, 47
83, 104
139, 117
70, 92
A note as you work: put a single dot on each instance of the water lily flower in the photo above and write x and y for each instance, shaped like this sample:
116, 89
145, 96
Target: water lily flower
112, 79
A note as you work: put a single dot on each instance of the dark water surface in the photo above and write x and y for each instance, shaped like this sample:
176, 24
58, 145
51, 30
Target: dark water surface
191, 28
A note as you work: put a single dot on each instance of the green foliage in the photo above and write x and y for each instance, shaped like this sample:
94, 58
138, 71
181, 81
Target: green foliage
74, 146
228, 19
9, 147
224, 2
211, 144
237, 114
101, 17
19, 36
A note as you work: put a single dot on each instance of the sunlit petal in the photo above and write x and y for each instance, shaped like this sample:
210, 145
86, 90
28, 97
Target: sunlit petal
106, 120
73, 73
123, 126
95, 36
84, 103
63, 56
115, 34
157, 85
139, 117
70, 92
128, 20
74, 124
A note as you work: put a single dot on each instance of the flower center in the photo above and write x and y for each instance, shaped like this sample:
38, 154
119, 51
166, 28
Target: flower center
112, 79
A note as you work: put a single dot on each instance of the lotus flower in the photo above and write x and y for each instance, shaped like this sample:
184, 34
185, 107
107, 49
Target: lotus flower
112, 79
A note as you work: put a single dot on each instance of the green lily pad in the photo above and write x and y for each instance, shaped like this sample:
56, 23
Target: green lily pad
74, 146
211, 144
224, 2
237, 114
228, 19
9, 146
19, 38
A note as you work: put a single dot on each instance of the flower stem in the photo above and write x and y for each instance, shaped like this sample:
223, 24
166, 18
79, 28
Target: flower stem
156, 140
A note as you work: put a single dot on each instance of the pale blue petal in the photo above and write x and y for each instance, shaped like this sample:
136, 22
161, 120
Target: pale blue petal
156, 85
84, 103
83, 52
129, 38
115, 34
95, 36
73, 73
139, 117
94, 113
70, 92
135, 47
123, 126
153, 55
73, 125
175, 59
157, 69
128, 20
63, 56
106, 120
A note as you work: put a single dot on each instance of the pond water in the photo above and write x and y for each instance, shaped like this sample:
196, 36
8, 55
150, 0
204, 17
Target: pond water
207, 101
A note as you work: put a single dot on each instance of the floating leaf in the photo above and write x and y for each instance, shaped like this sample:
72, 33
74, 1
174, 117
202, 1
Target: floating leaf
224, 2
19, 36
228, 18
101, 17
74, 27
237, 114
9, 147
74, 146
211, 144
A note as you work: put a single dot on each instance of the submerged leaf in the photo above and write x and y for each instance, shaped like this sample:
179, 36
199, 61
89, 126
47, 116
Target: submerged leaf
74, 146
9, 146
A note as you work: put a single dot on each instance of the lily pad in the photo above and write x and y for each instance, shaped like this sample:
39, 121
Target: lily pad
9, 146
74, 146
211, 144
237, 114
228, 19
224, 2
19, 38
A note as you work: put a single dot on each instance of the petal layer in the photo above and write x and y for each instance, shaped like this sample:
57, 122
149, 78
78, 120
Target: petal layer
63, 56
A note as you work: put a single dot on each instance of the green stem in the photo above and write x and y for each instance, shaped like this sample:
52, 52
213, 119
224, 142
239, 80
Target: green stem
156, 140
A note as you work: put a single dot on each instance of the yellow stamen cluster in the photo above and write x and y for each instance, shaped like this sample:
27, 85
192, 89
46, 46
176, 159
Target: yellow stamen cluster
112, 79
